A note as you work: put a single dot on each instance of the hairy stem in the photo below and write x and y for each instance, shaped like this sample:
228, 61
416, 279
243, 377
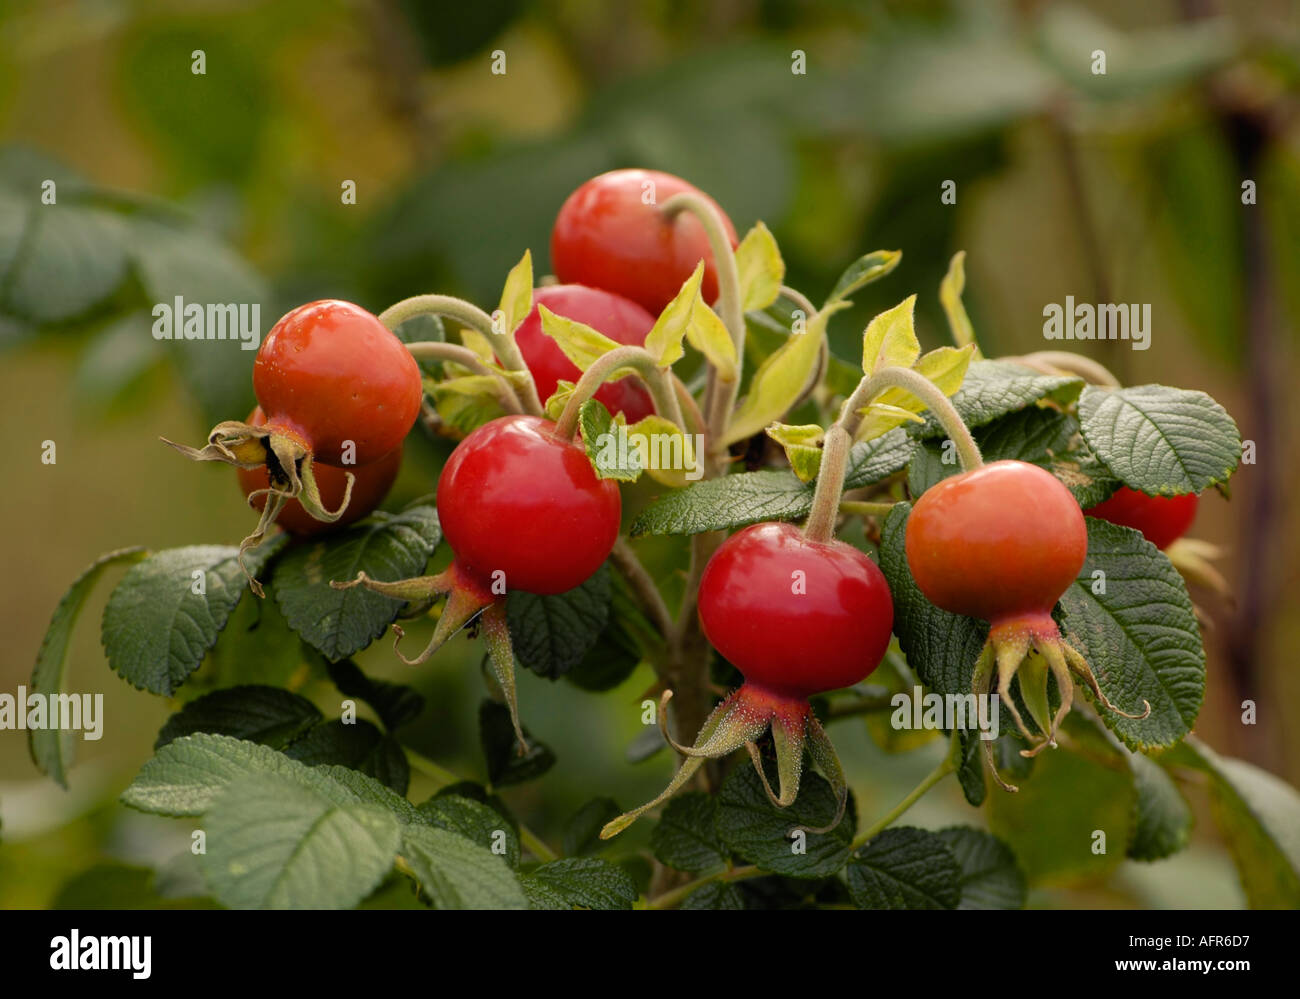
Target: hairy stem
946, 767
436, 350
926, 391
830, 484
1086, 368
638, 358
467, 314
671, 899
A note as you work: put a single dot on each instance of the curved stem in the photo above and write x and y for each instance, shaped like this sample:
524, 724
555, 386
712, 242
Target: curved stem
643, 586
1073, 364
676, 896
946, 767
925, 390
593, 378
467, 314
443, 777
721, 395
804, 304
830, 484
690, 409
437, 350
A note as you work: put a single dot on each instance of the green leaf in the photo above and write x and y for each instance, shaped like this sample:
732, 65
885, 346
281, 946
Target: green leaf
617, 651
664, 341
995, 388
340, 623
781, 378
119, 887
950, 290
1140, 636
751, 497
395, 703
580, 343
185, 776
255, 647
686, 837
1162, 820
369, 791
905, 868
454, 873
579, 883
552, 634
1259, 816
357, 745
761, 268
480, 824
1044, 437
496, 736
1163, 441
757, 831
275, 844
862, 272
599, 436
707, 333
51, 748
517, 295
802, 445
941, 647
157, 629
944, 367
970, 769
890, 339
715, 895
269, 715
990, 878
582, 831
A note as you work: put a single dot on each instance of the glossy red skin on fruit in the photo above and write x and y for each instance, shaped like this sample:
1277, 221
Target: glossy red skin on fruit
606, 237
795, 644
1162, 519
515, 498
331, 372
618, 318
371, 486
1001, 542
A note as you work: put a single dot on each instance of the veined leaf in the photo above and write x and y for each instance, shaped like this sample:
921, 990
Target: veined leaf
517, 295
761, 268
664, 341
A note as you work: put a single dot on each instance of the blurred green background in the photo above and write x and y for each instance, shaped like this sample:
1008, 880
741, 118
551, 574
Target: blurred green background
1117, 188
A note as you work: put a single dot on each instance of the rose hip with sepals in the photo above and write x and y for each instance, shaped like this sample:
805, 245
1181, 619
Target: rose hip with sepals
522, 509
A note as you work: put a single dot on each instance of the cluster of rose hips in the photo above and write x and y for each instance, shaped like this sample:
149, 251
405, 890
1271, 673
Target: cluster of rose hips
522, 508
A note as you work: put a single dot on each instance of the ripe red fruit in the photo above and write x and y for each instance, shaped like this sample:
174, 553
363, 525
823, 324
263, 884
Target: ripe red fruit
522, 509
608, 236
330, 373
370, 486
797, 617
1003, 542
515, 498
618, 318
830, 635
1162, 519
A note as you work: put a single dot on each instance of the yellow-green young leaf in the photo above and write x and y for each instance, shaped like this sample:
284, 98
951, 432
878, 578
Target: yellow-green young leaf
761, 268
950, 289
664, 341
866, 269
581, 344
476, 385
803, 447
478, 343
890, 339
559, 398
709, 336
781, 378
666, 454
517, 295
945, 366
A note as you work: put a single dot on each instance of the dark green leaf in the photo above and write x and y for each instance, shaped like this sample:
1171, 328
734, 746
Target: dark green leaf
990, 878
715, 895
269, 715
274, 844
582, 831
51, 748
756, 830
1162, 820
617, 650
686, 837
862, 272
157, 629
119, 887
455, 873
995, 388
1140, 636
905, 868
395, 703
340, 623
1160, 440
552, 634
368, 790
738, 500
501, 749
581, 883
480, 824
358, 745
